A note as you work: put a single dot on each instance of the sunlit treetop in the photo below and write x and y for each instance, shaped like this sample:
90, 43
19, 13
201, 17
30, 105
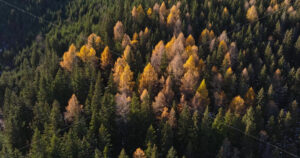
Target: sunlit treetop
252, 14
68, 58
106, 58
190, 41
86, 54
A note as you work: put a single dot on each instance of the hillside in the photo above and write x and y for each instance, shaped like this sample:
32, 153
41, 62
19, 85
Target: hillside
150, 78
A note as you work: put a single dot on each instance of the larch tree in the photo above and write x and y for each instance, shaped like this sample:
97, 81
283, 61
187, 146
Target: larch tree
122, 107
237, 105
118, 69
73, 109
167, 90
128, 55
191, 64
126, 83
149, 78
86, 54
138, 13
69, 58
252, 14
201, 100
159, 104
118, 31
190, 41
157, 55
250, 97
126, 40
173, 16
94, 41
205, 36
189, 82
190, 50
175, 67
139, 153
162, 13
106, 58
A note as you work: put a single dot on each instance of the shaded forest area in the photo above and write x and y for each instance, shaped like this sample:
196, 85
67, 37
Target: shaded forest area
150, 78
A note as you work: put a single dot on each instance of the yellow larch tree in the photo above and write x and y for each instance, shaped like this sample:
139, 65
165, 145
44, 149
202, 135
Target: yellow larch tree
173, 16
106, 58
86, 54
126, 83
149, 12
139, 153
190, 41
68, 58
148, 79
205, 36
237, 105
128, 55
252, 14
190, 64
163, 11
118, 69
190, 50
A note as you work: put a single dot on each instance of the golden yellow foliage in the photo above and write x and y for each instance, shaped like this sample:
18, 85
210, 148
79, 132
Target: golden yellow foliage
148, 78
106, 58
149, 12
190, 64
86, 54
190, 41
126, 83
165, 113
228, 72
127, 54
134, 12
237, 105
68, 58
139, 153
135, 36
250, 97
225, 12
202, 89
252, 14
205, 36
223, 46
163, 9
173, 16
170, 44
118, 69
190, 50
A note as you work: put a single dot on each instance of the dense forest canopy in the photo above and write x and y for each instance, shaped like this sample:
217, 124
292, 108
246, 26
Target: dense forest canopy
149, 78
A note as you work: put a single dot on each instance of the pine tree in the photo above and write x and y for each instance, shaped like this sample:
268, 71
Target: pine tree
172, 153
123, 154
37, 148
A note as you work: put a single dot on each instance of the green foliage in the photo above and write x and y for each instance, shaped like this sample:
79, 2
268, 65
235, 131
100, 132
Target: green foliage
250, 75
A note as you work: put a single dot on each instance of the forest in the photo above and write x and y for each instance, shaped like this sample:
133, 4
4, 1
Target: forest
149, 78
